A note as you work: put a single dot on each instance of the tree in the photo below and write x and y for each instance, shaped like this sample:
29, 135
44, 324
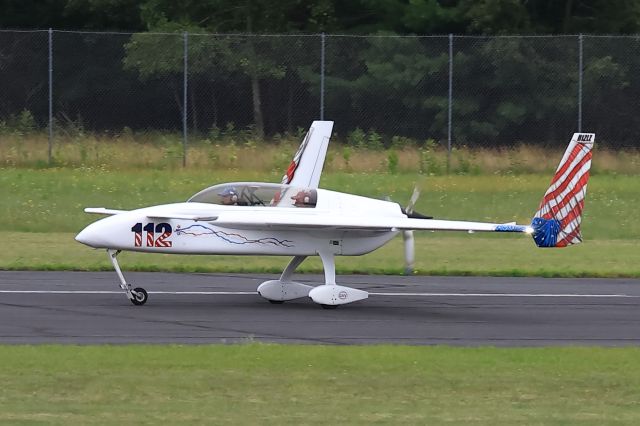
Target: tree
246, 54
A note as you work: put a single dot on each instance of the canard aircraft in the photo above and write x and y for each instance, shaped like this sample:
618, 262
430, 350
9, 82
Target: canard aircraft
297, 218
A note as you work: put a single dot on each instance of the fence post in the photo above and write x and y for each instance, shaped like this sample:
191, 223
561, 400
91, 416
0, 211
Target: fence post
580, 72
322, 53
184, 100
449, 112
49, 155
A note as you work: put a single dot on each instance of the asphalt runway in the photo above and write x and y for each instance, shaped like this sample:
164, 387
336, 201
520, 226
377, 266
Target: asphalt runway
89, 308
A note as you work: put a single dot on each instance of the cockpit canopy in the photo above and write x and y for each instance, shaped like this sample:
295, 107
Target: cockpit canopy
257, 194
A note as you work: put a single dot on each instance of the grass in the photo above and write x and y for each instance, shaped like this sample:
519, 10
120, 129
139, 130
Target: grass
272, 384
41, 211
52, 200
436, 254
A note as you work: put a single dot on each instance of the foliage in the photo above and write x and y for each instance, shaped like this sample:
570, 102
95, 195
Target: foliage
392, 161
23, 124
506, 90
357, 138
358, 16
429, 163
346, 155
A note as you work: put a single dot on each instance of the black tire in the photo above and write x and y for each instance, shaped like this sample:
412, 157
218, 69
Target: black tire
329, 306
140, 296
276, 302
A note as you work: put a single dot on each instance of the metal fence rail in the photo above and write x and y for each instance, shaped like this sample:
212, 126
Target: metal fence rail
456, 90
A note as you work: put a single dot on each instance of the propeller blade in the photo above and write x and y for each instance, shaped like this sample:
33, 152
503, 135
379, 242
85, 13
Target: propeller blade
407, 236
409, 252
413, 200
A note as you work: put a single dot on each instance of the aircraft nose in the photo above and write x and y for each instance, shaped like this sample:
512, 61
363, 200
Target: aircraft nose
84, 236
90, 236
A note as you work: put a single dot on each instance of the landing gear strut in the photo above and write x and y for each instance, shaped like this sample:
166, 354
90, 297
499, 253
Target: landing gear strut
279, 291
138, 296
330, 295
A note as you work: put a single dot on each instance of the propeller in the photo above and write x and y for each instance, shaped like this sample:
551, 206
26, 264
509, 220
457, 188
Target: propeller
407, 236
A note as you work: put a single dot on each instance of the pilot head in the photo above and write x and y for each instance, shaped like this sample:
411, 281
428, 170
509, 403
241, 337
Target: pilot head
303, 199
229, 196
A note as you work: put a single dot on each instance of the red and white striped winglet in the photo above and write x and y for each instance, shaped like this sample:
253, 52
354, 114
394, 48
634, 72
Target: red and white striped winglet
564, 200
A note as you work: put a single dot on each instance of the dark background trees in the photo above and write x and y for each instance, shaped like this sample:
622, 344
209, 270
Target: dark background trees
390, 83
487, 17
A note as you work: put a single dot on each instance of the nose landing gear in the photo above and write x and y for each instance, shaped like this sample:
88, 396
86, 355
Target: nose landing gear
138, 296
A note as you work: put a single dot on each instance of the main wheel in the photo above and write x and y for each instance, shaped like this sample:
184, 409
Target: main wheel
140, 296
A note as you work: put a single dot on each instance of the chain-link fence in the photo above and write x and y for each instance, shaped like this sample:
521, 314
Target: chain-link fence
455, 90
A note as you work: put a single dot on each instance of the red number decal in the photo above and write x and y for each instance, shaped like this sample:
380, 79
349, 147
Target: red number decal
166, 230
137, 239
151, 229
150, 237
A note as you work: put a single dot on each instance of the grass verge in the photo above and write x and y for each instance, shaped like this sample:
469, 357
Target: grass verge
272, 384
41, 211
53, 200
436, 254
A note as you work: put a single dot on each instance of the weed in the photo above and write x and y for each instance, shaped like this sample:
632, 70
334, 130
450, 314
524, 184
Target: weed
346, 156
392, 161
428, 162
357, 138
374, 140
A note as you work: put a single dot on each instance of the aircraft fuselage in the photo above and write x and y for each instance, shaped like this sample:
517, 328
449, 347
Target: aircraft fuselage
152, 229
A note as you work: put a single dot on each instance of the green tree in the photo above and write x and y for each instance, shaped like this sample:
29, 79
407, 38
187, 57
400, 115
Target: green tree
251, 56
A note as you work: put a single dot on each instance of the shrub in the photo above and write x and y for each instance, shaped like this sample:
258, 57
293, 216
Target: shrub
357, 138
374, 140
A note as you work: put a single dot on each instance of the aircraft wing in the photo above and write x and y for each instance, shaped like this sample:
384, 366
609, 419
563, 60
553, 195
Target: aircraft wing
196, 217
283, 222
102, 210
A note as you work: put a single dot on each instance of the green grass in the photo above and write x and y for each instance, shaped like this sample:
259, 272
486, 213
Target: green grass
271, 384
41, 210
52, 200
436, 254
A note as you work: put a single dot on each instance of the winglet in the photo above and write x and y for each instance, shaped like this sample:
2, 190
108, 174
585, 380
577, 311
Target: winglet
306, 167
557, 221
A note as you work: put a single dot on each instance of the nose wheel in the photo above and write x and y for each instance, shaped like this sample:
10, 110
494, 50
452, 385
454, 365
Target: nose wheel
138, 296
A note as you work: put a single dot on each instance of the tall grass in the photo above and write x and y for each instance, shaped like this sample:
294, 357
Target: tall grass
157, 150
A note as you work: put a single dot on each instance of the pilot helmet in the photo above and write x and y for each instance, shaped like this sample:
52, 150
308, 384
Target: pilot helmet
229, 192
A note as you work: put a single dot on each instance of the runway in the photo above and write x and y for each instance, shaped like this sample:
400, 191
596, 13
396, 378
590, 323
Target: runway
89, 308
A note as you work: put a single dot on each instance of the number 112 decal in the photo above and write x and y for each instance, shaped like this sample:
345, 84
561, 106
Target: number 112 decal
152, 229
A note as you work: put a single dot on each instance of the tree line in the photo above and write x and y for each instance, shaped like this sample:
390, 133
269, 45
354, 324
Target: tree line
486, 17
506, 89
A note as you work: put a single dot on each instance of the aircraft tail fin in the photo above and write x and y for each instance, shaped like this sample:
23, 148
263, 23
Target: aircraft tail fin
557, 221
306, 167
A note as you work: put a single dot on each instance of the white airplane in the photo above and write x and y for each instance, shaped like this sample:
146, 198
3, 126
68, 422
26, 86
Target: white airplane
296, 218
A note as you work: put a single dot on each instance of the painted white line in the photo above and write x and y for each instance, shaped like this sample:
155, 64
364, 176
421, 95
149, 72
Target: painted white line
122, 292
204, 292
397, 294
499, 295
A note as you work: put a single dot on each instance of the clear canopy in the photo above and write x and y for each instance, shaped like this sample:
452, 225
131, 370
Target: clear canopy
257, 194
